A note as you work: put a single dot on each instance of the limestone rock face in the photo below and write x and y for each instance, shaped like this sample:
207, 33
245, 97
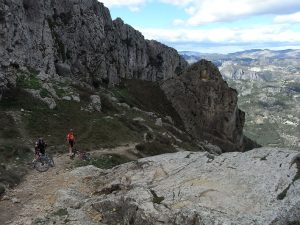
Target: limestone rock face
207, 106
261, 186
96, 103
76, 38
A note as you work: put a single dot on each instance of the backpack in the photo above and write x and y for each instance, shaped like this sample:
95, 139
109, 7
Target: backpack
70, 136
41, 144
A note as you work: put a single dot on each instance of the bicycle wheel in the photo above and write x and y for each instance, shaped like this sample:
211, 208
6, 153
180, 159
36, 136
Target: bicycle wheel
41, 165
50, 160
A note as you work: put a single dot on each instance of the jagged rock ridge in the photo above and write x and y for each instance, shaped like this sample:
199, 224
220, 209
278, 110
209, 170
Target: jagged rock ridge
79, 39
207, 106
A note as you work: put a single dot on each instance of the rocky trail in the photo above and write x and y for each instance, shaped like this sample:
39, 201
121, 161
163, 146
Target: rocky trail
35, 196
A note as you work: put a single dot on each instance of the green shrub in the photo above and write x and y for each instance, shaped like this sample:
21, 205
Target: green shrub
28, 82
61, 212
44, 93
160, 145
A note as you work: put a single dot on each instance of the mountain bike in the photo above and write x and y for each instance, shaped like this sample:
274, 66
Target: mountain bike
43, 162
82, 155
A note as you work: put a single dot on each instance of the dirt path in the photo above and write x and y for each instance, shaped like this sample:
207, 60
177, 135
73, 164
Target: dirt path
36, 194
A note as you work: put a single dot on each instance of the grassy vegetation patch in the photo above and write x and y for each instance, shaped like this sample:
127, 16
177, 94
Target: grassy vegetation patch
294, 223
133, 125
92, 130
189, 146
8, 127
84, 92
160, 145
106, 105
29, 81
109, 133
105, 161
60, 92
11, 177
10, 151
156, 199
44, 93
147, 96
61, 212
15, 99
258, 132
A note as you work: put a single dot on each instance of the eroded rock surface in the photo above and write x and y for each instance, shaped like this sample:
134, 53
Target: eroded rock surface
261, 186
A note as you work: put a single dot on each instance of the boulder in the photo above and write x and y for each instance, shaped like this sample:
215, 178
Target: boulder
15, 200
169, 119
76, 98
50, 102
63, 69
67, 98
139, 119
124, 105
95, 103
159, 122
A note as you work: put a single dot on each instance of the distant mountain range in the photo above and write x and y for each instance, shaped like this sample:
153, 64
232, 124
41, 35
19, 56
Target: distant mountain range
255, 64
268, 83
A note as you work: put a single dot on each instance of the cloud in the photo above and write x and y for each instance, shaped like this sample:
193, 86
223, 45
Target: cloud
133, 5
209, 11
290, 18
178, 2
271, 35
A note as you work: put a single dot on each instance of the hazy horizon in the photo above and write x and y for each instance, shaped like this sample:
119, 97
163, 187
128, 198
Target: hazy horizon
262, 49
214, 26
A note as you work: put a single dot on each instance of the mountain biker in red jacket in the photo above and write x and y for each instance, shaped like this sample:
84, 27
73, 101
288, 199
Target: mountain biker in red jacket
71, 141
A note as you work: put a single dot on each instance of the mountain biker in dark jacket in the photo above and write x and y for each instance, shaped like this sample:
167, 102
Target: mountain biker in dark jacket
40, 147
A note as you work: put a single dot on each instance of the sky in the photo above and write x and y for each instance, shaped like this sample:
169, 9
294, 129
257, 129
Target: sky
214, 26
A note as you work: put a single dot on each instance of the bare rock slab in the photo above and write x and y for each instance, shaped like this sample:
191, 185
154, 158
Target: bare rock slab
261, 186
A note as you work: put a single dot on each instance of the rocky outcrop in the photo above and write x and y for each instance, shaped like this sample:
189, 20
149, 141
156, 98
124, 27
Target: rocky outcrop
260, 187
207, 106
76, 38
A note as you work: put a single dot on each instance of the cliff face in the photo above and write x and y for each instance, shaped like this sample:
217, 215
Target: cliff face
78, 39
207, 106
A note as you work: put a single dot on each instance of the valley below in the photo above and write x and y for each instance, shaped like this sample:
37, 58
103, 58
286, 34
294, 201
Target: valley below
268, 84
272, 112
